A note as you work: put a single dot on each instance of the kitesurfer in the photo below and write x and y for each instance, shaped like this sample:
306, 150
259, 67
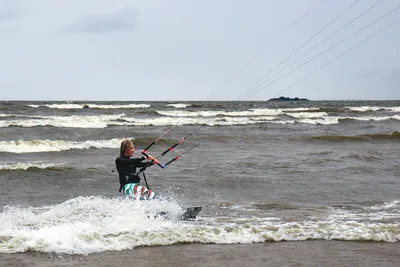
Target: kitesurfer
128, 178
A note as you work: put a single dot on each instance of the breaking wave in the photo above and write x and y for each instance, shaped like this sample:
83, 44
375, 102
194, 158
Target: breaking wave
33, 146
18, 166
97, 106
93, 224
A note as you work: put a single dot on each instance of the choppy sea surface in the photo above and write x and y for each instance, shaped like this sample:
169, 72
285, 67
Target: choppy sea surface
262, 171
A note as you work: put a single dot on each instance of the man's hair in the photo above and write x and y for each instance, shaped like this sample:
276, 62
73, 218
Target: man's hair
124, 146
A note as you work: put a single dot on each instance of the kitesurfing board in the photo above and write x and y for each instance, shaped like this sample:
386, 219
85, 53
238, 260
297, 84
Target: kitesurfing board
189, 213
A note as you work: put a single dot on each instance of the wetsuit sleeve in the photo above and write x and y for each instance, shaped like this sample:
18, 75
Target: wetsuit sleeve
137, 162
141, 162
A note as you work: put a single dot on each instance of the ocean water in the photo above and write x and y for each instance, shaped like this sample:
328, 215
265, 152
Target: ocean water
262, 171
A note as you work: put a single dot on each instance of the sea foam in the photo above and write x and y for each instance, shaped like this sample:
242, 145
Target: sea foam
93, 224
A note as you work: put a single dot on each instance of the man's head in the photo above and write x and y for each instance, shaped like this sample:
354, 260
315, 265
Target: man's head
127, 148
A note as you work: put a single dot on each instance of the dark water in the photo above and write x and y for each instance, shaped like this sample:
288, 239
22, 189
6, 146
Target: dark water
281, 171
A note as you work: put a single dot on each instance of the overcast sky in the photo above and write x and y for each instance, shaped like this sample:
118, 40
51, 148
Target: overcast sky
186, 50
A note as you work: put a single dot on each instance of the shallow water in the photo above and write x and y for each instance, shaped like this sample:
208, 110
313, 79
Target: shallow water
263, 172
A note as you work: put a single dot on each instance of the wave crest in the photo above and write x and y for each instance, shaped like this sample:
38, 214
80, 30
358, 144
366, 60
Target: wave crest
394, 136
22, 146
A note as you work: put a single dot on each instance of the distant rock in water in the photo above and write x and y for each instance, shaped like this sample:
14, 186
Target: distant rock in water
85, 106
282, 98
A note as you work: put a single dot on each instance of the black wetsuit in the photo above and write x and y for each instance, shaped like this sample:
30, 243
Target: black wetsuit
127, 169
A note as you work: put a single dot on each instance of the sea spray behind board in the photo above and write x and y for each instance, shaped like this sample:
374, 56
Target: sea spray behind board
86, 224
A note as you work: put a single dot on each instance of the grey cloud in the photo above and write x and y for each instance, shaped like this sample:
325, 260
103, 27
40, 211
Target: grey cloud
6, 12
4, 16
123, 20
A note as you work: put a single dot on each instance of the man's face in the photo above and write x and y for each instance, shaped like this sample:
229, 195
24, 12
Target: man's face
130, 150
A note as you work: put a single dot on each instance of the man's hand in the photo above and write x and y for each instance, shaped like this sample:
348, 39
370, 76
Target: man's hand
154, 160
